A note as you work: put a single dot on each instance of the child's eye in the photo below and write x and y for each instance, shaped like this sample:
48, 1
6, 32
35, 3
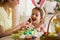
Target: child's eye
36, 15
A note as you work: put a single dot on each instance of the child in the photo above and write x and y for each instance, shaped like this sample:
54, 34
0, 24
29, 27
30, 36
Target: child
37, 20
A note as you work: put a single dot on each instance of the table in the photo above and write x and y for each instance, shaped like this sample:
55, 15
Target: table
50, 38
7, 38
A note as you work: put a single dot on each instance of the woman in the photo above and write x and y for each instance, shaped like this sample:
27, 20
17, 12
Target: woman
6, 17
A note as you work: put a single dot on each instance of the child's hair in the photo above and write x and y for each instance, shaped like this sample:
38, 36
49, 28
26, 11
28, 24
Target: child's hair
41, 13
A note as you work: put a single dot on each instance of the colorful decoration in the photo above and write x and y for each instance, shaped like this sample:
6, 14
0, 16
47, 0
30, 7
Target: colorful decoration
22, 34
57, 23
28, 31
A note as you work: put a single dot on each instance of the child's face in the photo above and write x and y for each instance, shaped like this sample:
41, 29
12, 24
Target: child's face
35, 16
